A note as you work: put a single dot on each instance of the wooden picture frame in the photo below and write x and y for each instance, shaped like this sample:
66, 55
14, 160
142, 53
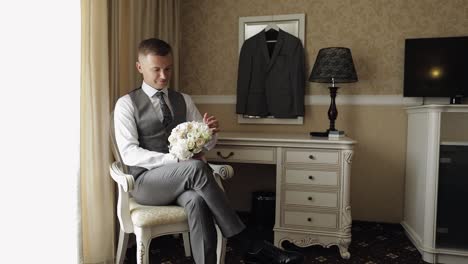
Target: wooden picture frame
248, 27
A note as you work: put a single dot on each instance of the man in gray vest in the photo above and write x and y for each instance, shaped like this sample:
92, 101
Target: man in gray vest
143, 121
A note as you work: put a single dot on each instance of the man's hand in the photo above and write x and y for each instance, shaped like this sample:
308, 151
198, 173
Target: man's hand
212, 123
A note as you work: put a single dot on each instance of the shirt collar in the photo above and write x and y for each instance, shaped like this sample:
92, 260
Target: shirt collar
150, 91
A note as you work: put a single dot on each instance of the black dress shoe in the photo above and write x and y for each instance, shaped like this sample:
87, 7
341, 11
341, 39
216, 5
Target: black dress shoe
269, 254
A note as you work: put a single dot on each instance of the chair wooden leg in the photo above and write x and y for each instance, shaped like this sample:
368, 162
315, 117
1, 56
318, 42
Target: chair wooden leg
121, 247
143, 240
185, 237
220, 246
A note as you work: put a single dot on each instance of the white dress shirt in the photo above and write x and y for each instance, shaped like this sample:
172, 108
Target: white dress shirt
126, 133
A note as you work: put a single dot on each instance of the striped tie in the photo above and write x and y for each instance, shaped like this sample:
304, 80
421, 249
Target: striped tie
165, 109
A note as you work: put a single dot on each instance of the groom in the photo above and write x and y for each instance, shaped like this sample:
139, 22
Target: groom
143, 121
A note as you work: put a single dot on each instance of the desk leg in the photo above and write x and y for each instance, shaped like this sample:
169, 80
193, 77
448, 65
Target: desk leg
306, 240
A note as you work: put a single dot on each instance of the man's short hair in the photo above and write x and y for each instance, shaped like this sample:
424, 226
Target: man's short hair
154, 46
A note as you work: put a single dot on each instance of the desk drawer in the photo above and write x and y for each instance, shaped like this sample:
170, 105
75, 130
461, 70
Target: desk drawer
313, 156
310, 177
311, 198
310, 219
242, 154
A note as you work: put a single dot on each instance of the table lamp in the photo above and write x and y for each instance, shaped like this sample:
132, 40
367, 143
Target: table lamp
333, 65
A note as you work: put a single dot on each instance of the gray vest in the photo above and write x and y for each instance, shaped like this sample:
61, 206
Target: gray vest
152, 135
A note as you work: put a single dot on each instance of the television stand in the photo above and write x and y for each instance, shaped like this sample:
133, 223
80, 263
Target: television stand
429, 128
457, 99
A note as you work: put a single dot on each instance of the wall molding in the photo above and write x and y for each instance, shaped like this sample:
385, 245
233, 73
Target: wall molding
342, 99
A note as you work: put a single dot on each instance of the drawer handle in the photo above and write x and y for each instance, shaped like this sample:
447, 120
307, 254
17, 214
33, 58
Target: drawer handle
310, 198
309, 219
311, 177
225, 157
311, 157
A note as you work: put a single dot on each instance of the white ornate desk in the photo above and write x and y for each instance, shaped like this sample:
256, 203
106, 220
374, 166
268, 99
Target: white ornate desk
312, 183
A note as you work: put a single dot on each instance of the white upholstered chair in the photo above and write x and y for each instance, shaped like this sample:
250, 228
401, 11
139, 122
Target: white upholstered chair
148, 222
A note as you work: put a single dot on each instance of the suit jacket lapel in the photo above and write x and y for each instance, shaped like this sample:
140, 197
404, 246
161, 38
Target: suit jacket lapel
278, 45
263, 45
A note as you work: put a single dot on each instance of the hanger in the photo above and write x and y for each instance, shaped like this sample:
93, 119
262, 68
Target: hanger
269, 28
271, 25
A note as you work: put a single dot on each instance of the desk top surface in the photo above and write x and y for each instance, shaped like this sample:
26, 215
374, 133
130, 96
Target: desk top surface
438, 108
226, 137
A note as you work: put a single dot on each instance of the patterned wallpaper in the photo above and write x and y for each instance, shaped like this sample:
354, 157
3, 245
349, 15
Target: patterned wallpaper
374, 30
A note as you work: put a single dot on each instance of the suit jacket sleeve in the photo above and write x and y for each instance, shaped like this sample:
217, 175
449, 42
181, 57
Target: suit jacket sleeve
243, 78
298, 78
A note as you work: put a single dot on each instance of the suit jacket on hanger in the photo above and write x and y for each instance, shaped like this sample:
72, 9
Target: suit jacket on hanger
271, 85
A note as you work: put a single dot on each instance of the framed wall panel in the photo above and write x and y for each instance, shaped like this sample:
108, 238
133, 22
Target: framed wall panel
249, 26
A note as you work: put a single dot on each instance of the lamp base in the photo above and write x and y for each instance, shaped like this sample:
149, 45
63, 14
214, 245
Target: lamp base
319, 134
332, 114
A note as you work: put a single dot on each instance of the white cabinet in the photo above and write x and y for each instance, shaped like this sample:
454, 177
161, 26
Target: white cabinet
428, 127
312, 183
314, 203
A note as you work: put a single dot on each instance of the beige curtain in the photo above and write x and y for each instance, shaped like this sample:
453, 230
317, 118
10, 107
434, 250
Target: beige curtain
97, 189
131, 22
111, 31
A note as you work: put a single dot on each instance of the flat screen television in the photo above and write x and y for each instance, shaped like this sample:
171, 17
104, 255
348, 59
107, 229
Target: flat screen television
436, 67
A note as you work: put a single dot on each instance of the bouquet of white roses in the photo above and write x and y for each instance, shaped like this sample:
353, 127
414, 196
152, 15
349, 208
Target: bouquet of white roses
188, 139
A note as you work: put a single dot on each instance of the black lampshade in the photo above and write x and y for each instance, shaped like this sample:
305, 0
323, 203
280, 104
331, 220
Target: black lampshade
335, 62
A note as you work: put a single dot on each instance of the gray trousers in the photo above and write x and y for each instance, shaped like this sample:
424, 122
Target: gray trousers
191, 184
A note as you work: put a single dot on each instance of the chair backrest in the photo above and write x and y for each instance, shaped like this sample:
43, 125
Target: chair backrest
115, 149
125, 183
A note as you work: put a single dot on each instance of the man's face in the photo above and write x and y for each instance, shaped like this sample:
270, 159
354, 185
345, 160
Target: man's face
156, 70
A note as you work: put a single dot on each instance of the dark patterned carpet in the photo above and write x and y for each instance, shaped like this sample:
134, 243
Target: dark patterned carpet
372, 243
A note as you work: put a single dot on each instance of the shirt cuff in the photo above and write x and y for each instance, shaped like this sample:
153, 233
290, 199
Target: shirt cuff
170, 158
212, 143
